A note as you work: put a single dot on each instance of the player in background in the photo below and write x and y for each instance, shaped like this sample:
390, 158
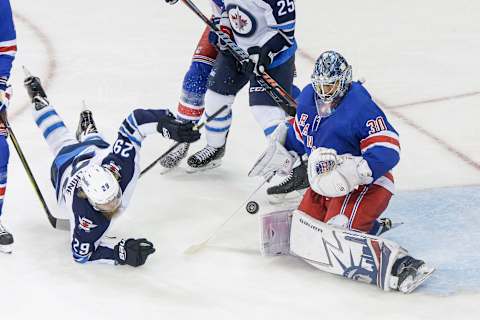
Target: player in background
94, 180
8, 48
191, 104
265, 29
351, 148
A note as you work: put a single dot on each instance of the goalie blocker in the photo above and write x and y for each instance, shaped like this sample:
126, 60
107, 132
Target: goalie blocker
343, 252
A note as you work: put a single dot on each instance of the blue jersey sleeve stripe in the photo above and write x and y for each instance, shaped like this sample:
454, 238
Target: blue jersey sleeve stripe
52, 128
289, 26
45, 116
130, 137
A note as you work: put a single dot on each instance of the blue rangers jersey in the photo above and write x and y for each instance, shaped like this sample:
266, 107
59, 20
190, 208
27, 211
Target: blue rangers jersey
255, 22
88, 226
8, 42
357, 126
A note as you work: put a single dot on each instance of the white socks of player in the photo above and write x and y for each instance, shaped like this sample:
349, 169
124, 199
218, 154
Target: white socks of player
217, 129
268, 117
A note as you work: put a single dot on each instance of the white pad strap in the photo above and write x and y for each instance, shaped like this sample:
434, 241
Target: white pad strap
343, 252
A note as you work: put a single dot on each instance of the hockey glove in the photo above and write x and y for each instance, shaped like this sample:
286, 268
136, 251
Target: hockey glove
331, 175
262, 57
223, 24
177, 130
133, 252
5, 94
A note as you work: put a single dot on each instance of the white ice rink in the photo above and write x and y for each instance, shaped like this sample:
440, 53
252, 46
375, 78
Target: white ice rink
121, 54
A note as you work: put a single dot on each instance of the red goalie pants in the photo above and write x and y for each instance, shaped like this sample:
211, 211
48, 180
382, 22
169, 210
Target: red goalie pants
362, 206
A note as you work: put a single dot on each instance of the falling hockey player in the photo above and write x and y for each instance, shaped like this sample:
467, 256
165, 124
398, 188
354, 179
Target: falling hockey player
95, 181
8, 48
351, 149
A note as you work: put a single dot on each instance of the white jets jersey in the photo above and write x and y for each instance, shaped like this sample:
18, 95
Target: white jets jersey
88, 226
254, 22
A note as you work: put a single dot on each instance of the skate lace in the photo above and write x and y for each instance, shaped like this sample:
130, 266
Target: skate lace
205, 153
88, 125
287, 179
178, 152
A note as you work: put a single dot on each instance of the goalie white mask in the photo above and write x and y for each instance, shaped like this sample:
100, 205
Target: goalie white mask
101, 188
331, 78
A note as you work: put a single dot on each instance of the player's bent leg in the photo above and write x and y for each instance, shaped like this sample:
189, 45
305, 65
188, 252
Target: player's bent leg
216, 133
355, 255
361, 208
6, 238
191, 104
224, 82
314, 205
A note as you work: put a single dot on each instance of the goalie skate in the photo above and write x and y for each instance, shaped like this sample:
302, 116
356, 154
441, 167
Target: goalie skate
173, 158
207, 158
411, 274
291, 188
6, 240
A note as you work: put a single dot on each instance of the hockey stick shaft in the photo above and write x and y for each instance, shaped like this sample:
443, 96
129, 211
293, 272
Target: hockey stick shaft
63, 224
199, 246
271, 86
197, 127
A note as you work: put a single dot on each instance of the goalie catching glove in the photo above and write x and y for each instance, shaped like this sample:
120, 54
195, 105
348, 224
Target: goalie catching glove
177, 130
133, 252
331, 175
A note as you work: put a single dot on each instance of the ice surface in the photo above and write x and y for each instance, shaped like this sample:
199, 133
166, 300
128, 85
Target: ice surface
120, 54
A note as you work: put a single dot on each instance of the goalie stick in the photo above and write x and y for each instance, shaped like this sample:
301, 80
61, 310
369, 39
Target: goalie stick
276, 92
197, 127
57, 223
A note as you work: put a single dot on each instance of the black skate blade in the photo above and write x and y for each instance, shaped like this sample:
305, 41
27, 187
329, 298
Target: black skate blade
7, 249
211, 165
26, 72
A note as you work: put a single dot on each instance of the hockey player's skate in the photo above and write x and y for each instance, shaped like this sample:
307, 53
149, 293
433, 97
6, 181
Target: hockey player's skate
6, 240
290, 188
86, 125
35, 90
410, 273
207, 158
172, 159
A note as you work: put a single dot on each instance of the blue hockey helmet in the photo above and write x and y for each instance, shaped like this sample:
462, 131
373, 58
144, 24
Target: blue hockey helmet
332, 76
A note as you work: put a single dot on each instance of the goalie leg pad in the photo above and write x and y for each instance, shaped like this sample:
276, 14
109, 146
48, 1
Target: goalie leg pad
275, 233
347, 253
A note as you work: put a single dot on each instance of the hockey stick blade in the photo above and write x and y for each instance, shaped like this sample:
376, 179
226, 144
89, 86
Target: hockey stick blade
62, 224
195, 248
199, 246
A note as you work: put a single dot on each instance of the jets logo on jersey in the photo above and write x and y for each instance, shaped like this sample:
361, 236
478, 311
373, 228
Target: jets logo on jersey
85, 224
243, 22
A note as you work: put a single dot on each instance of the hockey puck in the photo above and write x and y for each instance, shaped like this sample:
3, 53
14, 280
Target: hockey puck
252, 207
